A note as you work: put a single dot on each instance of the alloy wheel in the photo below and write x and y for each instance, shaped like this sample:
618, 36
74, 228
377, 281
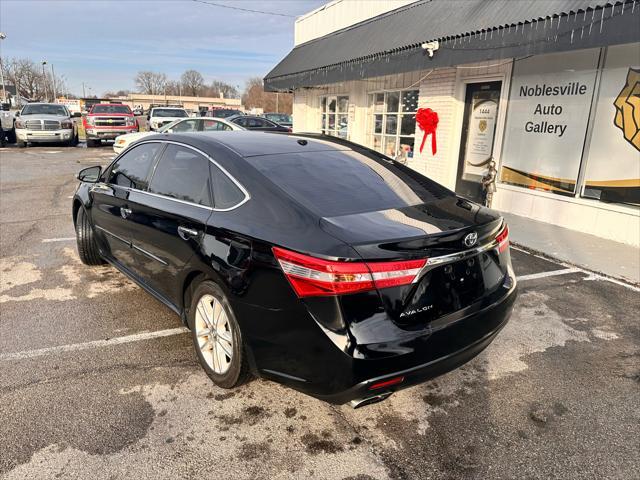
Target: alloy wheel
214, 335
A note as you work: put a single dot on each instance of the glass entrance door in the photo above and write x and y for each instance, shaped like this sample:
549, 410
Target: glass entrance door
478, 137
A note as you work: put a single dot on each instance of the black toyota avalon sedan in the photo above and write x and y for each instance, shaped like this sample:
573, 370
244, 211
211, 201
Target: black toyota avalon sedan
308, 260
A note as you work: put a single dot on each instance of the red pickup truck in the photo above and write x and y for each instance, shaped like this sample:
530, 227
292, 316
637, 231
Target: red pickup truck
105, 121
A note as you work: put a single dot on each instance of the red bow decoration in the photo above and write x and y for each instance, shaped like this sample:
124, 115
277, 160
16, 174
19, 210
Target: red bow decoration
428, 122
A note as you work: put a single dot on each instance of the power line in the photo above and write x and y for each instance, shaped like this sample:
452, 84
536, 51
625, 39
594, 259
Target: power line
214, 4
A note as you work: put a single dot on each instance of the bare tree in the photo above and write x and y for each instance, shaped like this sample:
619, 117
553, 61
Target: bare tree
192, 83
27, 77
219, 88
255, 97
151, 83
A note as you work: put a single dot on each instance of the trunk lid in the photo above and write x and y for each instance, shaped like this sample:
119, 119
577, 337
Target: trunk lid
437, 231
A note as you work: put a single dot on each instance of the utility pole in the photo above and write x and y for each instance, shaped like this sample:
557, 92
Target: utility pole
44, 80
84, 95
277, 102
53, 83
4, 91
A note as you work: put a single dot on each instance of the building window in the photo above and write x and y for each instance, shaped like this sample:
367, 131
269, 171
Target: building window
392, 122
335, 115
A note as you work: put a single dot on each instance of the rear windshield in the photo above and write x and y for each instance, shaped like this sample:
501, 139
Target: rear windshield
335, 183
169, 112
110, 109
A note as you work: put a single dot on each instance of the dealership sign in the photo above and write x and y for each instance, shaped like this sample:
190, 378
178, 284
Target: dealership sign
547, 119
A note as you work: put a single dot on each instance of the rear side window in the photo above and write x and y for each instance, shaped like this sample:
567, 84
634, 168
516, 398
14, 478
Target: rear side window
334, 183
214, 125
226, 193
183, 174
132, 169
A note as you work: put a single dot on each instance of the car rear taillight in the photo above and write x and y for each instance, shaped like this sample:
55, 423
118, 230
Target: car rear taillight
503, 239
312, 277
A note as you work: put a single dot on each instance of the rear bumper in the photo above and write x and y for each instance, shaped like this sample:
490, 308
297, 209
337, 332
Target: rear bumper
308, 358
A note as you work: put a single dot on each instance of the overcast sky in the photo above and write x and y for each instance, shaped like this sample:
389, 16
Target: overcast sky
105, 42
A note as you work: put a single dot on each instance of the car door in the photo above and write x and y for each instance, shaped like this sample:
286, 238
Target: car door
167, 221
110, 199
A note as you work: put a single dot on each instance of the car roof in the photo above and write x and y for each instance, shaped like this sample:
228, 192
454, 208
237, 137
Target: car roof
247, 143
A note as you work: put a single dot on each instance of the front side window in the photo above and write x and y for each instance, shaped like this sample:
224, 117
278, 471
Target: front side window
183, 174
257, 123
334, 119
131, 170
392, 122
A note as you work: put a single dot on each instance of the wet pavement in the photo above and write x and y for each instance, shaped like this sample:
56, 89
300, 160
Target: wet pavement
555, 396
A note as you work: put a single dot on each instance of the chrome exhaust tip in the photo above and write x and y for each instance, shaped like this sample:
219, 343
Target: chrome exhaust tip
361, 402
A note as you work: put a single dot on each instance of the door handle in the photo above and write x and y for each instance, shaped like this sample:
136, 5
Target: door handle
125, 212
187, 233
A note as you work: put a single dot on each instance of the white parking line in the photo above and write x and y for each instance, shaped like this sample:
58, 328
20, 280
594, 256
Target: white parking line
95, 344
552, 273
62, 239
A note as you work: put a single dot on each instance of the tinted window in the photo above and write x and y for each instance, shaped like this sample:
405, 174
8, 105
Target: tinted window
333, 183
257, 123
226, 194
214, 125
182, 173
132, 169
240, 121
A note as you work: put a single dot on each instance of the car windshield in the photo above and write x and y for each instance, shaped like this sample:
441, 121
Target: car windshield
169, 112
44, 109
279, 117
111, 109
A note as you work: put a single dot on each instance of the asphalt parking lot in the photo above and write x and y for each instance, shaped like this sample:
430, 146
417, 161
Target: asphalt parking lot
99, 380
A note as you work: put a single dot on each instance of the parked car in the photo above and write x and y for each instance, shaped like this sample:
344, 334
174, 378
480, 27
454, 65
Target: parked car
138, 111
160, 116
308, 260
45, 122
106, 121
7, 122
186, 125
280, 118
251, 122
223, 112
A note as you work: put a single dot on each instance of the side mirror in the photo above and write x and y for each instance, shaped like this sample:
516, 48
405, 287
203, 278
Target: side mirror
17, 114
90, 174
148, 117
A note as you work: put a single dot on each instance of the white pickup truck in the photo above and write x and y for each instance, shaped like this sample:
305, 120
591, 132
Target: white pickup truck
45, 122
160, 116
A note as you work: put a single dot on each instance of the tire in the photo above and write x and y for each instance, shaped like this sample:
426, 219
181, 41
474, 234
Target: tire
224, 371
11, 136
92, 143
87, 247
21, 143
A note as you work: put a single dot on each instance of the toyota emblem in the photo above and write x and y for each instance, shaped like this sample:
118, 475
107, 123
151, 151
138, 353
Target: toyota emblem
471, 239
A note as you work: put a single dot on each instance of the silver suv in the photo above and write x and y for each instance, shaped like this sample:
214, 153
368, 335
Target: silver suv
45, 122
